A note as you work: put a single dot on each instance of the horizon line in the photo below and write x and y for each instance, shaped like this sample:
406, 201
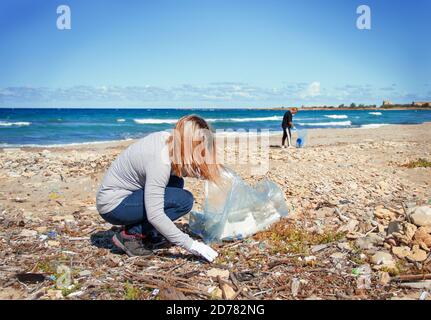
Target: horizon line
341, 106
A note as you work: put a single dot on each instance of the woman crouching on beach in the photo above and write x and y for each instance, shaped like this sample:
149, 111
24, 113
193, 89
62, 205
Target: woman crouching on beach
143, 188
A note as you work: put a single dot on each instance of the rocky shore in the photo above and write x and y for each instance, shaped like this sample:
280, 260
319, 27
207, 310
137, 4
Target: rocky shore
359, 226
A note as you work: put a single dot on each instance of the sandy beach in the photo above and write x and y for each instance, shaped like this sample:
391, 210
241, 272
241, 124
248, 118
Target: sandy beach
343, 190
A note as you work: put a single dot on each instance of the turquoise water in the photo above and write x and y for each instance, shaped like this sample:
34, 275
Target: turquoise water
27, 127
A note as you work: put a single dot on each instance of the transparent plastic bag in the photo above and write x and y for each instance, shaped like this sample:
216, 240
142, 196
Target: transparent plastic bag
235, 210
302, 137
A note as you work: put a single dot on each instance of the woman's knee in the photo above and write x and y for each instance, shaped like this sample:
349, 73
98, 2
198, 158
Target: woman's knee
189, 200
112, 218
130, 211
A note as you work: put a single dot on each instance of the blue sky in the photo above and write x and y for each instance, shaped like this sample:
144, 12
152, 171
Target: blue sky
213, 53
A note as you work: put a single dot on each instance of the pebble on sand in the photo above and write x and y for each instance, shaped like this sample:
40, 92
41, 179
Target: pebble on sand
423, 234
401, 252
417, 254
384, 259
422, 216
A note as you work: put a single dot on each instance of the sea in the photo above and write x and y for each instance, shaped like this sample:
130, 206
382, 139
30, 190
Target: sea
57, 127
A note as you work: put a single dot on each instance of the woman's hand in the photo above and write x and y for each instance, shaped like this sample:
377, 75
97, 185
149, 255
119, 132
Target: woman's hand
200, 249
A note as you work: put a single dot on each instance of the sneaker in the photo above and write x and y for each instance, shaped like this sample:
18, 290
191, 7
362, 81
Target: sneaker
131, 244
155, 240
283, 147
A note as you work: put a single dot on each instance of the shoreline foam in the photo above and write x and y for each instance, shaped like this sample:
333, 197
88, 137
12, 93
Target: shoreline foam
226, 133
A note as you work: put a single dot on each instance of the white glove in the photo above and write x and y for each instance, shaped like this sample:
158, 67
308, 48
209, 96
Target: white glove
200, 249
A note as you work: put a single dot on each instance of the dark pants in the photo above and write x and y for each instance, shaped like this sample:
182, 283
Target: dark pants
131, 211
286, 135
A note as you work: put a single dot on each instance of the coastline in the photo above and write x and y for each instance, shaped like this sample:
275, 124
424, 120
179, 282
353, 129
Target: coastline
61, 128
351, 109
274, 136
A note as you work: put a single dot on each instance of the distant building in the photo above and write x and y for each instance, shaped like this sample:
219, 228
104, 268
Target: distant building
387, 103
421, 103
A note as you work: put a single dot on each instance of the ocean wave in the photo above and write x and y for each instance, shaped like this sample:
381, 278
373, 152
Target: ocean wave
121, 120
246, 133
250, 119
60, 145
373, 125
14, 124
273, 118
375, 113
324, 124
154, 121
337, 116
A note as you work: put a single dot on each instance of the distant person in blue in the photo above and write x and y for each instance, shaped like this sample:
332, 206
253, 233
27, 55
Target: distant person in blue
287, 124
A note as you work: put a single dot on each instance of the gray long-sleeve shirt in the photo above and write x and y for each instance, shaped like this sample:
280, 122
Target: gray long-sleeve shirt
144, 164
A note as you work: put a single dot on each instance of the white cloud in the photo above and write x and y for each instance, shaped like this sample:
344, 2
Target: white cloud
227, 93
313, 90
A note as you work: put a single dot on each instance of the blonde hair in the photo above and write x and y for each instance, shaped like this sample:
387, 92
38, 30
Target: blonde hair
192, 149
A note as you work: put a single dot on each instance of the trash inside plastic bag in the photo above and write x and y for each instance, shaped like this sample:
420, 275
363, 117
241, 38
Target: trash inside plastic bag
235, 210
302, 136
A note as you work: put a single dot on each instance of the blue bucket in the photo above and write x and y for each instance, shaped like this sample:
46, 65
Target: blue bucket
300, 141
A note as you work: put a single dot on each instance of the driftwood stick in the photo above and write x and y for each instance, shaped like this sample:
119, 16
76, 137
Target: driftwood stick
164, 276
175, 267
157, 286
190, 274
240, 288
154, 283
237, 294
283, 287
282, 261
234, 280
221, 284
405, 212
412, 277
233, 244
